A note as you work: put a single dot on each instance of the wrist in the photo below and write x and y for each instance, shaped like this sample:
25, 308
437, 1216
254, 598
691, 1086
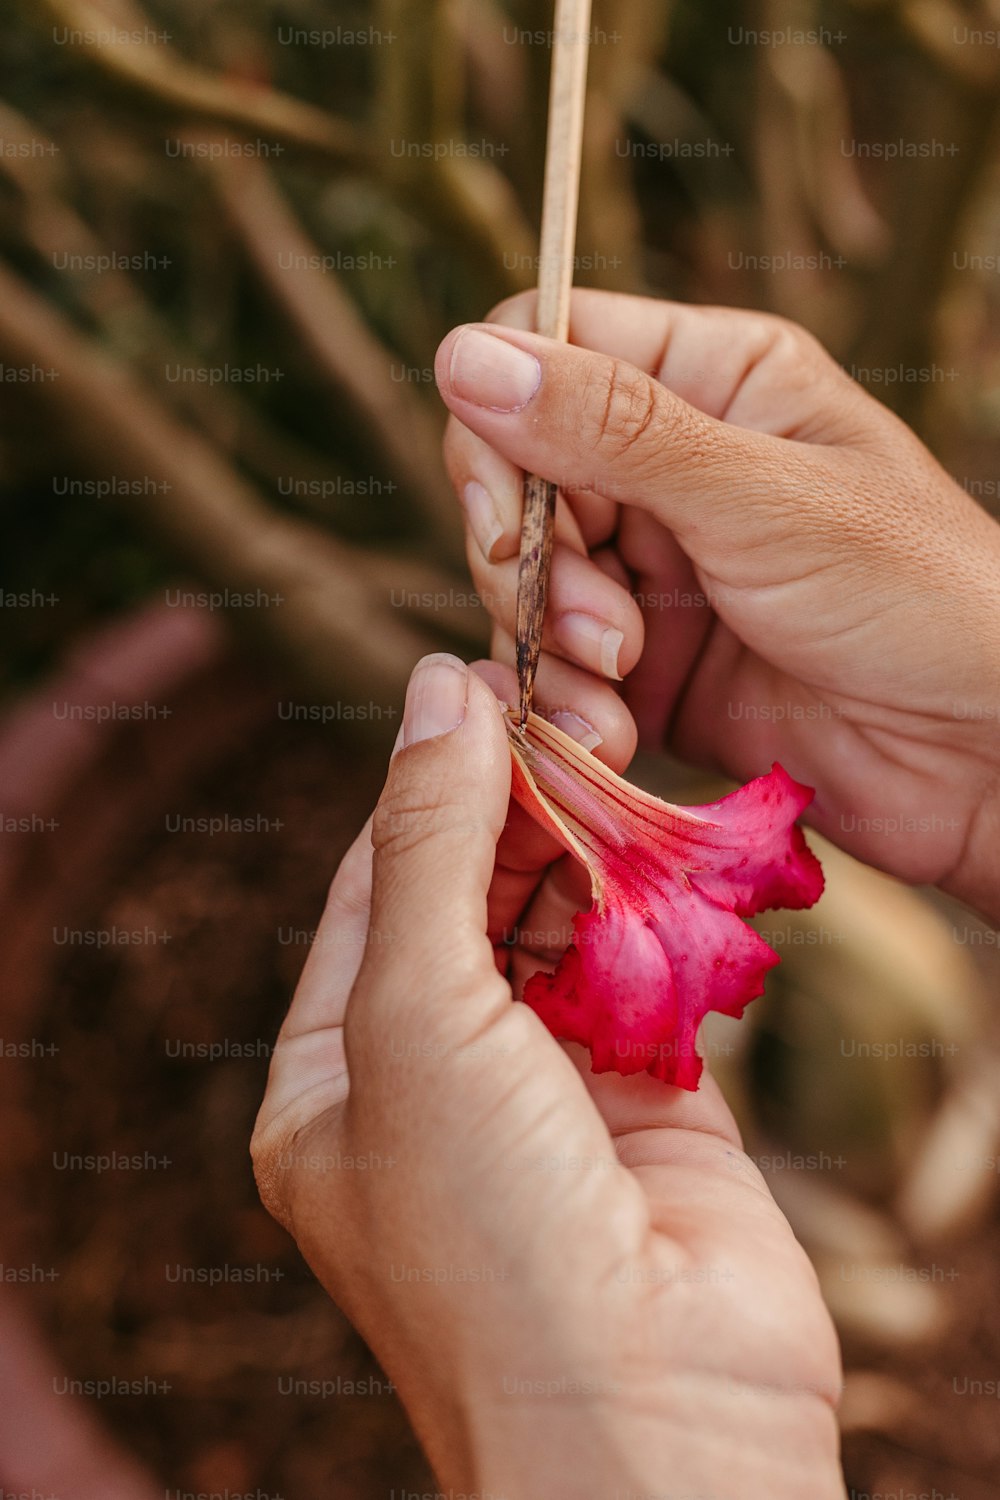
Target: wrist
716, 1439
601, 1407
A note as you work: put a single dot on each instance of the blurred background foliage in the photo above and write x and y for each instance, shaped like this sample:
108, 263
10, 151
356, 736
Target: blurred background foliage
709, 161
264, 221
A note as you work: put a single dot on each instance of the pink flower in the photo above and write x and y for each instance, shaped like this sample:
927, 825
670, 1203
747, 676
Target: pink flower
663, 942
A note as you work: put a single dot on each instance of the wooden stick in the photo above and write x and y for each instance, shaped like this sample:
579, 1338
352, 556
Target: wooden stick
564, 151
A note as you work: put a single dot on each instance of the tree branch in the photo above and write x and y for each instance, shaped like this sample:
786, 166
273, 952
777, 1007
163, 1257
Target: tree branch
331, 328
339, 628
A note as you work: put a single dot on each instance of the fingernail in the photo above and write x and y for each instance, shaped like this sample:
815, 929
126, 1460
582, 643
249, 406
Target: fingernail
484, 522
493, 373
578, 729
435, 699
591, 642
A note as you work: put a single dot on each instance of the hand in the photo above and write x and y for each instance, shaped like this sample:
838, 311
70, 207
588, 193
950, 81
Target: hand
774, 563
580, 1285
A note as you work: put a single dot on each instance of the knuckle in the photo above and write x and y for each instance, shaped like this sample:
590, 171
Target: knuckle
793, 348
472, 974
272, 1184
628, 404
286, 1155
406, 818
795, 344
400, 826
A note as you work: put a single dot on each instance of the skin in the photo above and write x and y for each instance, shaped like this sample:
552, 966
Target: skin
580, 1284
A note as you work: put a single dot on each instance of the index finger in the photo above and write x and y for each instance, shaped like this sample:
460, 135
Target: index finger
525, 852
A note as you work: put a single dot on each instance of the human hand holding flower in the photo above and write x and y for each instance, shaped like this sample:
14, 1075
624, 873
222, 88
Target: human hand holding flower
772, 561
579, 1283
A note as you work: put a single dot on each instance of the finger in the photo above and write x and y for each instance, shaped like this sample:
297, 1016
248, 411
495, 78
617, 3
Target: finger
543, 930
503, 682
443, 1065
633, 1106
727, 362
491, 488
308, 1071
607, 560
578, 702
518, 883
590, 618
337, 950
638, 329
491, 493
586, 420
595, 515
430, 984
526, 853
677, 613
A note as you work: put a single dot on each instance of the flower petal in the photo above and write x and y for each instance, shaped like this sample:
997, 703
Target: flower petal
764, 860
664, 942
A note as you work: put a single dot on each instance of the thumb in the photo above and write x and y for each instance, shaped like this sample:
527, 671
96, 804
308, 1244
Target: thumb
593, 422
429, 983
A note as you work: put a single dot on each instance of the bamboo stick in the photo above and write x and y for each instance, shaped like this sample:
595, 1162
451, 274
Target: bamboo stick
563, 155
